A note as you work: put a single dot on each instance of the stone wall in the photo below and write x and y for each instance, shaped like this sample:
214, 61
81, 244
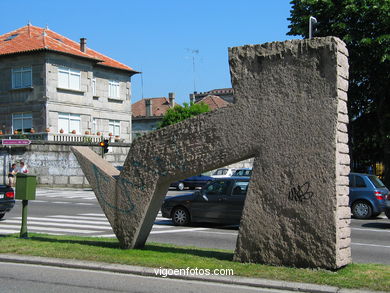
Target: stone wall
53, 162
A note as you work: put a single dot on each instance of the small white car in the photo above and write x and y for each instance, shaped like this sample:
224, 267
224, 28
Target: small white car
223, 173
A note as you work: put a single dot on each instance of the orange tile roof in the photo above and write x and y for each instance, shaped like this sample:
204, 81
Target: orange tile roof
214, 102
159, 107
32, 38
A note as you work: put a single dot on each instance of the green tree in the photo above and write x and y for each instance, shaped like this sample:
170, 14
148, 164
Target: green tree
364, 25
179, 113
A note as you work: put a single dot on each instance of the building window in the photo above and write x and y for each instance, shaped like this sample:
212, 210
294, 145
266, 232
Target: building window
94, 86
69, 122
114, 127
21, 77
22, 122
69, 78
113, 89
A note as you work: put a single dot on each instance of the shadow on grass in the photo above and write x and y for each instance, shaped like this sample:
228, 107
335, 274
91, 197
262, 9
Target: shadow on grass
155, 247
220, 255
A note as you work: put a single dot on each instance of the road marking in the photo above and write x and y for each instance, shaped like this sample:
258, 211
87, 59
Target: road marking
371, 230
38, 223
103, 218
223, 233
85, 204
30, 228
178, 230
373, 245
69, 220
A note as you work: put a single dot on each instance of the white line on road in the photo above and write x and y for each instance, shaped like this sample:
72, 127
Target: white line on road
38, 223
178, 231
35, 228
69, 220
373, 245
371, 230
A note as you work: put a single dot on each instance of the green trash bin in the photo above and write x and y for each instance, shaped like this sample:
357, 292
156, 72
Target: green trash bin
25, 186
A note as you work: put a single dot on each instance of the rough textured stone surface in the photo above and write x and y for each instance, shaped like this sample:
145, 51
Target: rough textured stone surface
287, 117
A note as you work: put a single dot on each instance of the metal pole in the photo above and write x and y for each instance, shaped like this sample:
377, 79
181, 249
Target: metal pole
312, 20
23, 229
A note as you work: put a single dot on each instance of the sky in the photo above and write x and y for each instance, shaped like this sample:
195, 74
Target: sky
180, 46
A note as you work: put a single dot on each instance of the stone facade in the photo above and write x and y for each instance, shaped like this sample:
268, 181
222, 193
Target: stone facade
289, 115
53, 162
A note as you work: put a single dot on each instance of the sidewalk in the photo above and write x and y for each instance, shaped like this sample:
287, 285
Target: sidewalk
144, 271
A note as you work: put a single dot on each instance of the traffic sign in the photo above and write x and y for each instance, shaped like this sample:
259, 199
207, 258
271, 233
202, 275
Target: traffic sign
15, 142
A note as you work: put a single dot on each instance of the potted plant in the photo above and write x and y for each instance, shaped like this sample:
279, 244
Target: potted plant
61, 130
32, 130
74, 131
1, 132
86, 132
16, 132
47, 129
98, 133
117, 137
110, 134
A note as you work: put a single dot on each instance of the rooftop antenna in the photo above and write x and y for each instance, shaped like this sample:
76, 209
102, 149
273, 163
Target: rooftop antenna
312, 24
193, 52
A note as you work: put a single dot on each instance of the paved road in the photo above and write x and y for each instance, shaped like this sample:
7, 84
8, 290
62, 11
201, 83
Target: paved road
37, 279
76, 212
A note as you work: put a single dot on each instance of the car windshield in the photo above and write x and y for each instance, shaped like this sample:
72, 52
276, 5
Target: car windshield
220, 172
216, 188
376, 181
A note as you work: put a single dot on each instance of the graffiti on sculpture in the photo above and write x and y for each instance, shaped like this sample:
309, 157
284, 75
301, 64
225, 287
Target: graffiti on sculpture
300, 193
279, 90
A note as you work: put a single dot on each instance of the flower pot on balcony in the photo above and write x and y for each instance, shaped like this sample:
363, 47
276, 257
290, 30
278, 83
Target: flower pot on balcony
47, 129
61, 130
74, 131
32, 130
1, 132
98, 133
117, 138
87, 132
16, 132
110, 134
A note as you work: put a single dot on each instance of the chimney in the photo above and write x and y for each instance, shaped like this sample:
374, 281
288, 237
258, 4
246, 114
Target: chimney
192, 99
171, 99
148, 107
83, 45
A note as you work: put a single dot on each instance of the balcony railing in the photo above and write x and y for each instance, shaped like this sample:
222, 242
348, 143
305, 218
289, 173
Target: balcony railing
60, 137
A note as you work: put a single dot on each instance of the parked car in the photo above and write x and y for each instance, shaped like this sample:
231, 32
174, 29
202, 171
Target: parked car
192, 182
223, 173
7, 199
246, 172
220, 201
387, 208
367, 195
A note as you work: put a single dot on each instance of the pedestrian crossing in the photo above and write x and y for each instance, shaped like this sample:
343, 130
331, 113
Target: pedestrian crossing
86, 224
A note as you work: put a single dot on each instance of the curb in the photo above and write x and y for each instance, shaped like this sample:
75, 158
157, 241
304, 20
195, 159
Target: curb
150, 272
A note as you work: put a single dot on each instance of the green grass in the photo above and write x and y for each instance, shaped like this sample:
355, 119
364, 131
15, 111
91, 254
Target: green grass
369, 276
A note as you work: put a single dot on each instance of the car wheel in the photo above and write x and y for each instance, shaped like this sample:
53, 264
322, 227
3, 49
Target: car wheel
2, 215
361, 210
387, 213
180, 186
180, 216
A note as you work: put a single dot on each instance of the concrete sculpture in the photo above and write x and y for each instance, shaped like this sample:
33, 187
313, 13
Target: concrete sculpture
291, 115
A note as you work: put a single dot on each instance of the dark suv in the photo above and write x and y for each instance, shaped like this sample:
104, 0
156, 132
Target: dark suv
7, 200
367, 195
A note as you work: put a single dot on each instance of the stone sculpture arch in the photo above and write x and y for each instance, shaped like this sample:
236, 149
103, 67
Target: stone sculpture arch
290, 114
